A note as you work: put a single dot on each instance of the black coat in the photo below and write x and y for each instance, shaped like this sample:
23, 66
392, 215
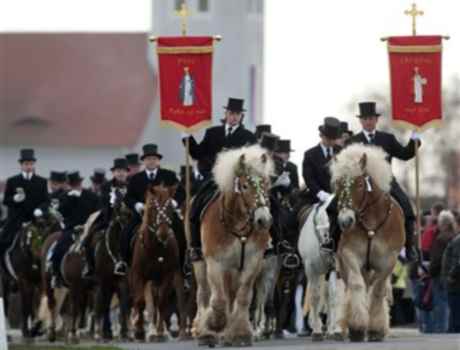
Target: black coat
76, 210
139, 183
36, 191
389, 143
315, 172
214, 141
289, 167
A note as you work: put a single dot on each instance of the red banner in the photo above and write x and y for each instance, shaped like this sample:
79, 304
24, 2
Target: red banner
415, 72
185, 69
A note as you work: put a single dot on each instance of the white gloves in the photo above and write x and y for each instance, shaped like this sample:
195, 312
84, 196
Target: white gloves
185, 135
283, 180
323, 196
19, 197
74, 193
113, 198
139, 207
38, 213
415, 135
174, 203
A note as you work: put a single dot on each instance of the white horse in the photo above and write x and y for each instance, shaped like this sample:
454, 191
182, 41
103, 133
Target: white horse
317, 263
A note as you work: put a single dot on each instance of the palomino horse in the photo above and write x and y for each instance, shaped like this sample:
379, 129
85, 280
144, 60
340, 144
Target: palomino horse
235, 234
23, 263
156, 259
373, 235
317, 263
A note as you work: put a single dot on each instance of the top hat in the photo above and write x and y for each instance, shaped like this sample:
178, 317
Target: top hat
269, 141
331, 128
132, 159
367, 109
98, 176
235, 105
150, 149
58, 176
27, 154
284, 146
74, 177
344, 128
119, 163
261, 129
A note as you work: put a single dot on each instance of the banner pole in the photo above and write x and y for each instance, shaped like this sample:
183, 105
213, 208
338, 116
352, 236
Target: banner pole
417, 200
187, 189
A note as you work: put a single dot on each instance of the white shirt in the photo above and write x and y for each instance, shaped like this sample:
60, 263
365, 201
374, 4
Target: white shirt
27, 176
325, 150
149, 172
367, 133
227, 127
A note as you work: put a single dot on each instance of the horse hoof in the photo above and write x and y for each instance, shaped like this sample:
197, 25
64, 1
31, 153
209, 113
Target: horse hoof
356, 335
74, 340
337, 336
184, 337
317, 337
278, 335
208, 340
375, 336
124, 338
52, 336
161, 338
242, 341
139, 336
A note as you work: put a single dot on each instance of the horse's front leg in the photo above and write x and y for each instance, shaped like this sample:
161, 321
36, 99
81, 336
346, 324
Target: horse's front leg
379, 322
203, 295
333, 327
179, 288
123, 296
139, 305
26, 292
314, 291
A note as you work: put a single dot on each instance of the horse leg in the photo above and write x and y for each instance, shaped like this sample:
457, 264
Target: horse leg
333, 329
202, 297
123, 297
26, 293
179, 288
314, 291
74, 312
162, 305
139, 305
379, 323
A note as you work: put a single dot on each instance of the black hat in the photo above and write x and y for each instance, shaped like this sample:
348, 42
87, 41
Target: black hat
27, 154
235, 105
344, 128
58, 176
150, 149
367, 109
119, 163
74, 177
261, 129
284, 146
133, 159
98, 176
269, 141
330, 128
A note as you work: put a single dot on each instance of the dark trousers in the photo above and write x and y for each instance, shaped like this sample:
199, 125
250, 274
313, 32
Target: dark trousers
127, 235
454, 306
398, 194
62, 245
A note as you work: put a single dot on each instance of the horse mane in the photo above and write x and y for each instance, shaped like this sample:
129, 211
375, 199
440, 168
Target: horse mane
228, 161
347, 163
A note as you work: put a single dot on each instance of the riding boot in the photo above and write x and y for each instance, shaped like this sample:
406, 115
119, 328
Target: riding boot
195, 254
411, 251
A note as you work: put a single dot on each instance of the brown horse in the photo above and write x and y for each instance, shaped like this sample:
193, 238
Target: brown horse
156, 259
23, 263
373, 235
235, 234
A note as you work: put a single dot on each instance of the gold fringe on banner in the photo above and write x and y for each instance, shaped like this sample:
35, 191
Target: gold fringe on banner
184, 49
415, 48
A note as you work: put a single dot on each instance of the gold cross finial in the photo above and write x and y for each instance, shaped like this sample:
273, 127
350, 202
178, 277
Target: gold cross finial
183, 13
414, 12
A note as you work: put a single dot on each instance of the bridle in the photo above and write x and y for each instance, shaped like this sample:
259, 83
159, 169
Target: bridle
161, 218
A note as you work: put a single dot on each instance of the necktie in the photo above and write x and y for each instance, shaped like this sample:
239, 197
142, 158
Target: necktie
152, 176
229, 131
329, 153
371, 138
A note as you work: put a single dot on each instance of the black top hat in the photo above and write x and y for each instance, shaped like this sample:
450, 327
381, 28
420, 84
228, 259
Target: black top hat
132, 159
284, 146
235, 105
74, 177
27, 154
330, 128
344, 128
150, 149
269, 141
98, 176
261, 129
367, 109
58, 176
119, 163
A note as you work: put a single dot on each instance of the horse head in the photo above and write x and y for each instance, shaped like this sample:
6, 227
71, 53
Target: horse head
121, 212
159, 212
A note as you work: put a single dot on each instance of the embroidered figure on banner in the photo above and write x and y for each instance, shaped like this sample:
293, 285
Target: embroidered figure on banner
187, 89
419, 81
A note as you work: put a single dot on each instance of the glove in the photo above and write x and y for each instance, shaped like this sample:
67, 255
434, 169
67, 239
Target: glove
185, 135
415, 135
74, 193
38, 213
19, 197
323, 196
174, 203
139, 207
113, 198
283, 180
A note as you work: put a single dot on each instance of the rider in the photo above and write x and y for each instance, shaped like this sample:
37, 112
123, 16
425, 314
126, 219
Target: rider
232, 134
134, 164
369, 135
117, 183
24, 194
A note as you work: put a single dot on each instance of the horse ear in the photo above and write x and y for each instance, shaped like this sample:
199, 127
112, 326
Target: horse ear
264, 158
242, 161
363, 161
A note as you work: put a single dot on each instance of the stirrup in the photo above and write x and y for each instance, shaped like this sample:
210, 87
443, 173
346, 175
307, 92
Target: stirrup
195, 254
290, 265
120, 268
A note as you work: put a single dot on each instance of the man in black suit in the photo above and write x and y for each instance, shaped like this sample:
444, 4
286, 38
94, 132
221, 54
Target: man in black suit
283, 152
133, 163
369, 135
24, 194
135, 196
232, 134
76, 207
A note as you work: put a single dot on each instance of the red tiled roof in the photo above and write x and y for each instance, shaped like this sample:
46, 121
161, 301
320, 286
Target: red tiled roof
74, 89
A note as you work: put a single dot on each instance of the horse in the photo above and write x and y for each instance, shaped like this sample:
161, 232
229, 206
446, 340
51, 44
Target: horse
156, 259
372, 225
22, 262
317, 264
235, 234
106, 250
